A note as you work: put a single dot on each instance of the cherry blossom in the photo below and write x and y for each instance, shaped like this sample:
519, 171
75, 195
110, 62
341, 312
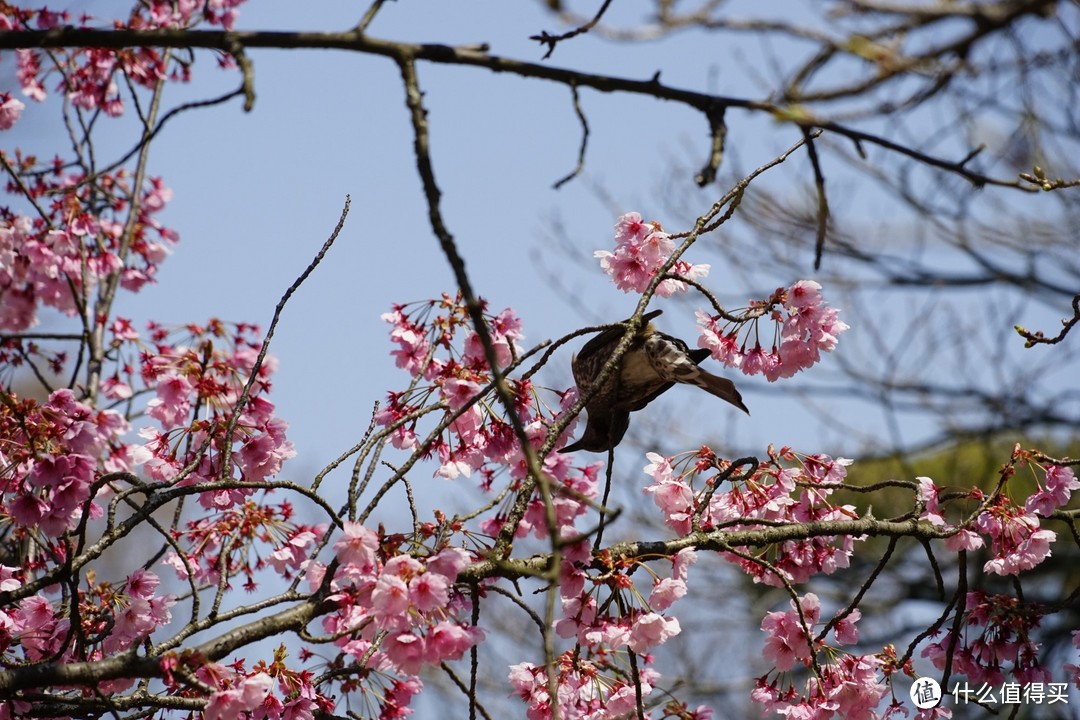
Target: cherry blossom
806, 327
10, 111
1018, 543
1056, 491
995, 643
641, 249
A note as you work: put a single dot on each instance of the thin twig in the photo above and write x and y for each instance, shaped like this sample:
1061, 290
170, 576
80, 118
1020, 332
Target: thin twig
552, 40
584, 141
241, 402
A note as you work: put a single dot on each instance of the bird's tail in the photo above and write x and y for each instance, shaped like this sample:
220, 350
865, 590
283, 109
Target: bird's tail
718, 386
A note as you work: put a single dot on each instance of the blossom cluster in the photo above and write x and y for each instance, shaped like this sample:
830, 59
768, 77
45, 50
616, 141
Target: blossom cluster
110, 620
592, 689
641, 250
60, 259
805, 327
52, 455
773, 493
91, 78
239, 691
849, 686
451, 372
438, 347
606, 616
197, 374
995, 641
397, 611
394, 612
1018, 542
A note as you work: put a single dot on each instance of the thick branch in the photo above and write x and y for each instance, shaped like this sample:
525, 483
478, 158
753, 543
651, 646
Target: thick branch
716, 540
131, 665
474, 55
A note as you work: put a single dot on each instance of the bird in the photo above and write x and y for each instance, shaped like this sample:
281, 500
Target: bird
651, 365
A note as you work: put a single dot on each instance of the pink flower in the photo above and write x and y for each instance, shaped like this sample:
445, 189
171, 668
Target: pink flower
845, 631
928, 493
264, 452
680, 567
406, 651
669, 287
630, 229
724, 346
758, 360
627, 268
1060, 482
177, 564
457, 391
133, 622
657, 247
449, 641
173, 401
412, 349
292, 554
641, 249
27, 510
449, 562
805, 294
116, 389
357, 546
665, 592
10, 111
231, 703
964, 540
671, 495
787, 641
853, 688
451, 469
391, 599
1018, 543
47, 19
429, 591
29, 67
142, 584
650, 630
808, 327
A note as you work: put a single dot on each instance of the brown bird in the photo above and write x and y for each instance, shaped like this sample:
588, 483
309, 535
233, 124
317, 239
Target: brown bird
653, 363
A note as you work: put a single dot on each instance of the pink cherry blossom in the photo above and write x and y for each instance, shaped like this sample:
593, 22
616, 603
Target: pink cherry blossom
787, 642
10, 111
1018, 543
652, 629
173, 401
450, 641
807, 327
231, 703
1055, 492
406, 650
429, 591
357, 546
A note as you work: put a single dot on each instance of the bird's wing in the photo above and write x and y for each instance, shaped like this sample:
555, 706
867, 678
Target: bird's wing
612, 334
674, 361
